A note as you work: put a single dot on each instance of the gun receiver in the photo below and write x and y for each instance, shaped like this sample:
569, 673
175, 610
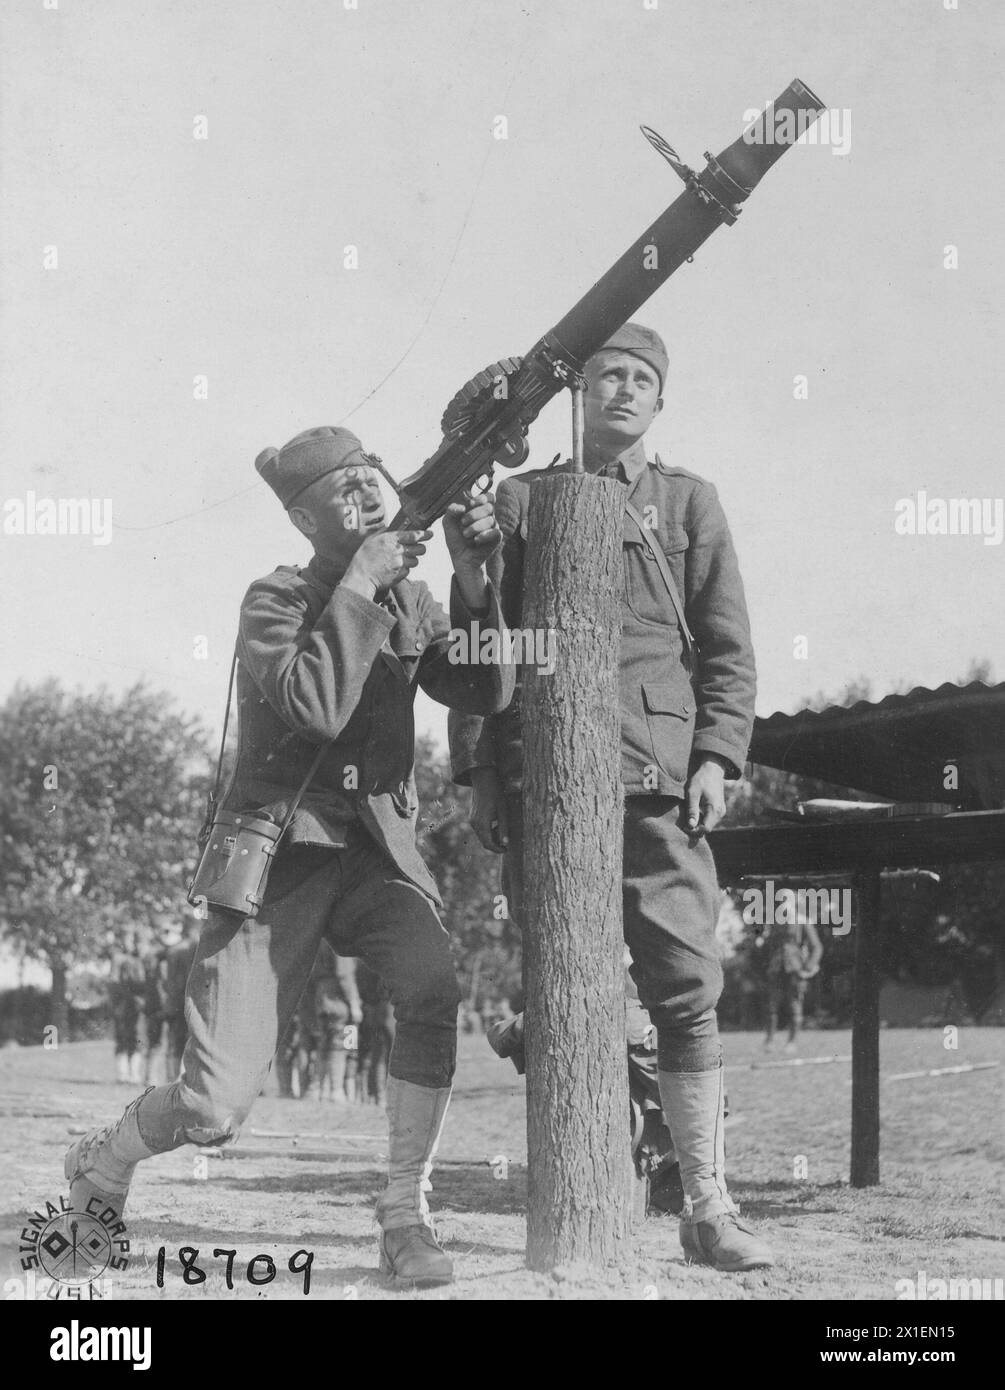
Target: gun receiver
487, 421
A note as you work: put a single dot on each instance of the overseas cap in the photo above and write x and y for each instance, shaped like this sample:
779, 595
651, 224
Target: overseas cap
641, 342
308, 457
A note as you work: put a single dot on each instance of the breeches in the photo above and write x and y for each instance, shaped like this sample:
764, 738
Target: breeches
670, 899
248, 976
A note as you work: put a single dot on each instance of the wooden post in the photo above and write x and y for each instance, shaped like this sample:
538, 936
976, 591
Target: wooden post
578, 1144
865, 1035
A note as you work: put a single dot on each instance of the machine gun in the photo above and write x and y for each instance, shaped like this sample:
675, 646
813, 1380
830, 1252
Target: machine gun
486, 423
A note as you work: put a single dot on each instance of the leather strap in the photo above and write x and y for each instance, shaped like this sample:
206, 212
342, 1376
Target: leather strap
214, 795
690, 645
315, 764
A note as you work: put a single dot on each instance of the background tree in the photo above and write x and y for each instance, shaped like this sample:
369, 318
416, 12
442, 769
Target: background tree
103, 797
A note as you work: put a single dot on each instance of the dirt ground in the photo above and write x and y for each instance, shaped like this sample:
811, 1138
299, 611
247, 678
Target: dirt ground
939, 1207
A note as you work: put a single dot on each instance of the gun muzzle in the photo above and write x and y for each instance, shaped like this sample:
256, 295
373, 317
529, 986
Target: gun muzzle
709, 199
780, 125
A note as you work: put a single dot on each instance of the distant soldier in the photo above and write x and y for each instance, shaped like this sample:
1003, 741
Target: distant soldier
127, 998
175, 971
338, 1011
376, 1037
793, 954
293, 1057
154, 966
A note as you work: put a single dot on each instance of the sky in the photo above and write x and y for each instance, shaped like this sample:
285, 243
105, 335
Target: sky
201, 169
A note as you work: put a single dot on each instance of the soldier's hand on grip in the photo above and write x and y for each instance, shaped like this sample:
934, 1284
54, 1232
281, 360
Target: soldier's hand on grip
383, 559
471, 530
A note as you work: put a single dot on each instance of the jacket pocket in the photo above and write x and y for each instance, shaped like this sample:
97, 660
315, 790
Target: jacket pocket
670, 714
645, 590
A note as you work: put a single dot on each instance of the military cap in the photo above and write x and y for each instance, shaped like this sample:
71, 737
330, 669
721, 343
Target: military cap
310, 456
641, 342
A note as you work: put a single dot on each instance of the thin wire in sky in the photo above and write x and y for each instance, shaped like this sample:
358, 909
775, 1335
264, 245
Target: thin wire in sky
241, 492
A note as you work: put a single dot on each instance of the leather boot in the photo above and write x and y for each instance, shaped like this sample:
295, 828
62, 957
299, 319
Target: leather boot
725, 1243
409, 1251
412, 1257
101, 1163
710, 1233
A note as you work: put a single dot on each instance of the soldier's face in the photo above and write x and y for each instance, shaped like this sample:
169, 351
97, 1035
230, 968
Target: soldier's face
339, 511
622, 397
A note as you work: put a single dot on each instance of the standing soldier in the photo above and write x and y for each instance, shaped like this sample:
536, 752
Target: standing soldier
685, 729
127, 999
338, 1012
331, 655
793, 952
290, 1058
375, 1038
154, 967
178, 960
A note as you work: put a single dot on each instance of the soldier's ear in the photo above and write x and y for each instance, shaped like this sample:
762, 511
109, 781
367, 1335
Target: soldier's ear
658, 406
303, 520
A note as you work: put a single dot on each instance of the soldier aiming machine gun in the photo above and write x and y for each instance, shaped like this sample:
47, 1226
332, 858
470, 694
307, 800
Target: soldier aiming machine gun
486, 423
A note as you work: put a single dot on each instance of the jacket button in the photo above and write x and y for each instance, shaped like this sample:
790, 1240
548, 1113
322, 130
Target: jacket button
418, 645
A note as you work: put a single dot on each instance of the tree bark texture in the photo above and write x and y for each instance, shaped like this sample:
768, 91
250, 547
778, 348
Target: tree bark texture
59, 1008
579, 1180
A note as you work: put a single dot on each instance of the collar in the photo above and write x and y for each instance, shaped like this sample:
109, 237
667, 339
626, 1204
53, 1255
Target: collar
633, 462
628, 466
323, 571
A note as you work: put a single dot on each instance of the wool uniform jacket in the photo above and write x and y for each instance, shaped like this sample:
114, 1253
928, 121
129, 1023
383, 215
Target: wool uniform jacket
318, 663
669, 715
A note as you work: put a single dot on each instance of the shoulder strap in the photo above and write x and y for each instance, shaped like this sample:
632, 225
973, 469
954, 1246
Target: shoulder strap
292, 809
690, 645
214, 795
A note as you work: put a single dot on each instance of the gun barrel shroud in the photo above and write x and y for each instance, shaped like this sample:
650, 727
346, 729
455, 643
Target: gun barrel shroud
709, 199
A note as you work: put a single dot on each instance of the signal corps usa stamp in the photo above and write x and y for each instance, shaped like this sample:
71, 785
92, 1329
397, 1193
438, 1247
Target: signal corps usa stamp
72, 1249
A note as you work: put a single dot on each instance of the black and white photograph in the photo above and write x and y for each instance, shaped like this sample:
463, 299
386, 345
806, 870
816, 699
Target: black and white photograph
502, 688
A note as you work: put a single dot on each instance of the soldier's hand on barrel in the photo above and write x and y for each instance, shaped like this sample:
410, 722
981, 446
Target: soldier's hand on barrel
488, 810
471, 529
705, 803
383, 559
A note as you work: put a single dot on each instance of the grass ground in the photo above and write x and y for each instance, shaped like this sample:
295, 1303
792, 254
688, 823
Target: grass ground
939, 1207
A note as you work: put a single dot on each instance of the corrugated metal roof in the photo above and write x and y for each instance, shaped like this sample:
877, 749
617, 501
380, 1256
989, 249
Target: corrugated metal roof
903, 747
